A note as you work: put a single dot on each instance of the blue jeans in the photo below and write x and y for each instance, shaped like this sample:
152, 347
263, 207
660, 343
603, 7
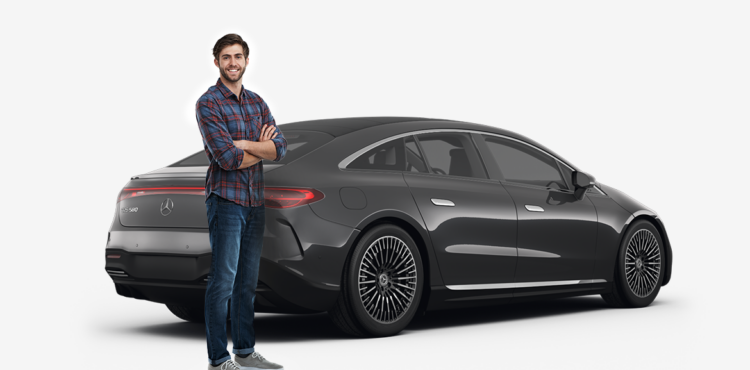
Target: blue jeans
236, 236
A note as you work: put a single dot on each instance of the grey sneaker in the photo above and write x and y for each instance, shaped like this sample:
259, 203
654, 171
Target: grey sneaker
226, 365
256, 362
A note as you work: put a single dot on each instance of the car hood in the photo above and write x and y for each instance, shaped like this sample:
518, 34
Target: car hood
625, 201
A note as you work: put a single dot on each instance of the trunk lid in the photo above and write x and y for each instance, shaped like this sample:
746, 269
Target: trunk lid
170, 197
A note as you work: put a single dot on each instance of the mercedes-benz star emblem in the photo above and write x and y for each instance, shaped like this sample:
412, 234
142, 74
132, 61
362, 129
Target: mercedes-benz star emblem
166, 207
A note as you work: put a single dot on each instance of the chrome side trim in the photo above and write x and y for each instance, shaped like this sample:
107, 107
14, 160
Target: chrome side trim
523, 285
487, 250
442, 202
593, 281
532, 208
523, 252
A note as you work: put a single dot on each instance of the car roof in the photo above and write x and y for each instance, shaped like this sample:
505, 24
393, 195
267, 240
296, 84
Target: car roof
343, 126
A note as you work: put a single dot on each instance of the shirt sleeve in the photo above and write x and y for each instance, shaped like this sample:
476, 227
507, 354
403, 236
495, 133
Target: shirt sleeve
216, 135
279, 140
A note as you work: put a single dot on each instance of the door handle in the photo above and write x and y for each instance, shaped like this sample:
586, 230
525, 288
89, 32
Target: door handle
533, 208
442, 202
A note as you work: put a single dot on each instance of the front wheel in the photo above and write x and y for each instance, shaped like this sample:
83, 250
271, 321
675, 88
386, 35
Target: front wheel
640, 267
381, 285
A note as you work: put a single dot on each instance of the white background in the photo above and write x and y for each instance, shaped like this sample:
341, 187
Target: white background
651, 97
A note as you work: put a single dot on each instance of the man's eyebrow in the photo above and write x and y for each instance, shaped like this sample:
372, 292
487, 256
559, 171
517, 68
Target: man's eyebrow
229, 55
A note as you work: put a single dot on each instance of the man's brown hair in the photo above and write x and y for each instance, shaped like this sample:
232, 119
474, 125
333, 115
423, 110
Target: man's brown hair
230, 39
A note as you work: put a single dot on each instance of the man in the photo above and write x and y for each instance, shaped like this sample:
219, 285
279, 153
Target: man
238, 132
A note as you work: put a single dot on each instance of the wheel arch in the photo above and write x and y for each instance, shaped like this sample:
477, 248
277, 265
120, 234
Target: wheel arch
656, 221
420, 237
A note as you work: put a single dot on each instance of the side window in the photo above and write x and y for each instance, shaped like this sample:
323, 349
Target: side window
451, 153
523, 164
388, 156
414, 160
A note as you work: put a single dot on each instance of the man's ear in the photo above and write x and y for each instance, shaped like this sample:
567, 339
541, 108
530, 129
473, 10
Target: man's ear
216, 63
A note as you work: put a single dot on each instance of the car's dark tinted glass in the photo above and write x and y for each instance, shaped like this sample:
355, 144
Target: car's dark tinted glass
298, 143
388, 156
414, 160
451, 154
197, 159
523, 164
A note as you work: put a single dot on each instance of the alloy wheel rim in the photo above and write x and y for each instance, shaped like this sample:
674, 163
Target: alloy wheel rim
642, 263
387, 279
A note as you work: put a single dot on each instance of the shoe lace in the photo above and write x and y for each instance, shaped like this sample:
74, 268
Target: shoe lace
230, 365
258, 356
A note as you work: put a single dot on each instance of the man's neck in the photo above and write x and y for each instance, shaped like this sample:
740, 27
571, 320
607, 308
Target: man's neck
235, 87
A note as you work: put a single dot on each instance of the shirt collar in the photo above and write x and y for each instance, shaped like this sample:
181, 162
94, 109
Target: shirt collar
225, 90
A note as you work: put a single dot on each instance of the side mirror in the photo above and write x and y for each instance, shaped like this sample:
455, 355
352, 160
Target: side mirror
582, 181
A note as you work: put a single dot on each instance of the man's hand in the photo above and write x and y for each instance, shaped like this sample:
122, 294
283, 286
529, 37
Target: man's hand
267, 132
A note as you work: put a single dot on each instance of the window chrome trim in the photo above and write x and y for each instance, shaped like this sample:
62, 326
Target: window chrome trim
536, 284
349, 159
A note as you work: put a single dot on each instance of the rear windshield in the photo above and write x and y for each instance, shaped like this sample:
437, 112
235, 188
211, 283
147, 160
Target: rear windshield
298, 143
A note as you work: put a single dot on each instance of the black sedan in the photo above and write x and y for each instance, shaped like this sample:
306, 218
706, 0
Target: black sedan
376, 219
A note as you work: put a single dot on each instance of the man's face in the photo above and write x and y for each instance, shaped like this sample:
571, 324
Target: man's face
232, 63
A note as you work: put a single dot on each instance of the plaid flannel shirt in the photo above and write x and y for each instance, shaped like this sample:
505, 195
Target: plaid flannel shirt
222, 117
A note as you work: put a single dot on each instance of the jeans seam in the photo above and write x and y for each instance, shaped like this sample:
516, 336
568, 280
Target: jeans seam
208, 306
241, 273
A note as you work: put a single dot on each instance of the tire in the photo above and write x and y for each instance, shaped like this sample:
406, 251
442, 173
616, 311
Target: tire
188, 313
381, 284
640, 267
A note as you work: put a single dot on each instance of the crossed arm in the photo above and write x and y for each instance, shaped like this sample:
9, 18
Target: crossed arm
234, 155
255, 151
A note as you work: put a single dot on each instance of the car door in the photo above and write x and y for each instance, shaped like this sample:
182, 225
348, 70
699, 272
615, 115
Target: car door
471, 220
556, 232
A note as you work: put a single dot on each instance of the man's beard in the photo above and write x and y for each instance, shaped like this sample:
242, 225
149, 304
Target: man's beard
226, 76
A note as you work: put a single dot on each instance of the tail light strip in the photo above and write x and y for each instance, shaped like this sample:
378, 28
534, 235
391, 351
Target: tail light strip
274, 197
291, 197
137, 192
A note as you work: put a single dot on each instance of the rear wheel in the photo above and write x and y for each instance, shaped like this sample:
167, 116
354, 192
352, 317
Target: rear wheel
640, 267
187, 313
382, 284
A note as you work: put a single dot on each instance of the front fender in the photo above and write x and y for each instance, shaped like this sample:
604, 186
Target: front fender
639, 211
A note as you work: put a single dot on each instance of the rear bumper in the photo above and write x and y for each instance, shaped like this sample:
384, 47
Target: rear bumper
304, 296
300, 268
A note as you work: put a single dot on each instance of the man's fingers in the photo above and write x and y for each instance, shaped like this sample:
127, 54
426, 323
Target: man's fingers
267, 130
